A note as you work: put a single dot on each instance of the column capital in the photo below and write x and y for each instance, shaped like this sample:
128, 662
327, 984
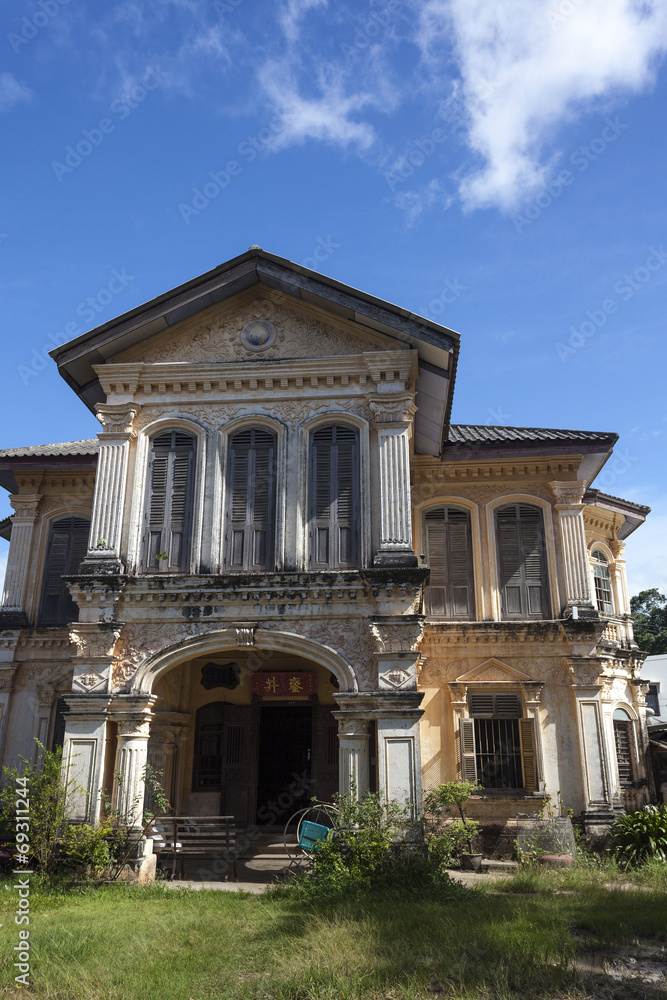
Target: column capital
26, 506
568, 493
397, 408
117, 420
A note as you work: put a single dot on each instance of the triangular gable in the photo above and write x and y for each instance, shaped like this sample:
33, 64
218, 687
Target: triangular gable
256, 325
493, 671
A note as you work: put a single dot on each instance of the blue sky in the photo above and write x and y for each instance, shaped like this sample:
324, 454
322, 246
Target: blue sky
496, 165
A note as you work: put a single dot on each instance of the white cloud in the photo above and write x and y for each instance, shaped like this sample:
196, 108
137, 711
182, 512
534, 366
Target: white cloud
292, 12
526, 68
12, 92
413, 203
327, 117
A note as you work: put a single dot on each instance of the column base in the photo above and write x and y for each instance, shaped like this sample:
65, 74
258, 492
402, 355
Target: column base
109, 565
141, 868
400, 558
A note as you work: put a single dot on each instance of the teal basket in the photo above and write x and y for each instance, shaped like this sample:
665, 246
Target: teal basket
311, 834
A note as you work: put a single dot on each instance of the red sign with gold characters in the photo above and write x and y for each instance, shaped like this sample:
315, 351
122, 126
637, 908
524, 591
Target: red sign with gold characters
284, 685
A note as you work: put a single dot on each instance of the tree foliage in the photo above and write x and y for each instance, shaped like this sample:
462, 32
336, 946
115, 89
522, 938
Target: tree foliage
650, 614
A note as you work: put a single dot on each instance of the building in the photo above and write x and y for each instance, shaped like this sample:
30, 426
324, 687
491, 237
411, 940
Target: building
280, 563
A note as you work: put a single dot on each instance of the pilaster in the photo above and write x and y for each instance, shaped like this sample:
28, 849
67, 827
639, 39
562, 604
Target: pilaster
26, 508
104, 555
84, 753
578, 591
394, 413
353, 755
133, 718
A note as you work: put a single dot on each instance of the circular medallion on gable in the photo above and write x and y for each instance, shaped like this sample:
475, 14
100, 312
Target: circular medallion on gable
258, 336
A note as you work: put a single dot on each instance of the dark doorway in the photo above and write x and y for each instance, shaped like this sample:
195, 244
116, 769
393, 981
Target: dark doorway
285, 760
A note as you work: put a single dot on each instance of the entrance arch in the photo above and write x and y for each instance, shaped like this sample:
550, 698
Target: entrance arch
229, 640
245, 728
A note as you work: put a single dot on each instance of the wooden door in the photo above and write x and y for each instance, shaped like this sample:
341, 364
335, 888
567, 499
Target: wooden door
239, 776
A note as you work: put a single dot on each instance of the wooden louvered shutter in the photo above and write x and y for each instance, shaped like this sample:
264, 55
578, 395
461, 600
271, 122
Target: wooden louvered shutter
447, 537
334, 505
68, 543
436, 592
169, 505
251, 500
459, 558
528, 754
467, 759
521, 561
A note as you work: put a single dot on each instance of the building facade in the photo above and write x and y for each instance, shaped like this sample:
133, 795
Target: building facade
280, 569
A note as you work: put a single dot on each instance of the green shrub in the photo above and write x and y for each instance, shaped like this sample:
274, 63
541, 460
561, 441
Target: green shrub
84, 851
641, 834
448, 846
48, 793
371, 849
440, 802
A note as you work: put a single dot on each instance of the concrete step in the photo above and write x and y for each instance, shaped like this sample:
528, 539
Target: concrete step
493, 865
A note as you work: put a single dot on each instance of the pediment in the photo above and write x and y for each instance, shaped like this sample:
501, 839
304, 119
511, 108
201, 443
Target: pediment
493, 671
256, 325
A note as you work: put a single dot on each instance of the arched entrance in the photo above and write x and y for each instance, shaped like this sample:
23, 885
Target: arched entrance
245, 731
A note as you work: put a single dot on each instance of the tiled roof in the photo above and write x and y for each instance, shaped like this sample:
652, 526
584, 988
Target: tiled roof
87, 447
485, 434
599, 495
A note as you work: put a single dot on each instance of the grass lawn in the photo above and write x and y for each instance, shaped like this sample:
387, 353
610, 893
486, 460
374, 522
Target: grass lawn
122, 943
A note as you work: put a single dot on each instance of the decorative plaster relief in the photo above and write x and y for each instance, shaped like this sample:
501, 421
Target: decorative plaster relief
221, 338
399, 635
477, 494
138, 642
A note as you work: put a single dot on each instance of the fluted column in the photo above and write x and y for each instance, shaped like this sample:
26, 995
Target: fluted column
353, 738
576, 567
131, 760
18, 560
393, 418
110, 485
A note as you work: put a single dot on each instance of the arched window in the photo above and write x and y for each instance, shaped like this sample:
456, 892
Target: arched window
624, 744
209, 750
68, 542
251, 500
449, 555
168, 516
334, 498
521, 561
602, 580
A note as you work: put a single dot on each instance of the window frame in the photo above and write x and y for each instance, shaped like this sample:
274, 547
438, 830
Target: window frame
216, 787
628, 723
546, 589
272, 559
471, 614
360, 540
141, 485
528, 740
604, 563
64, 594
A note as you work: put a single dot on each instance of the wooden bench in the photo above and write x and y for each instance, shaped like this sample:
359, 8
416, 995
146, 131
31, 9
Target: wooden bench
199, 836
